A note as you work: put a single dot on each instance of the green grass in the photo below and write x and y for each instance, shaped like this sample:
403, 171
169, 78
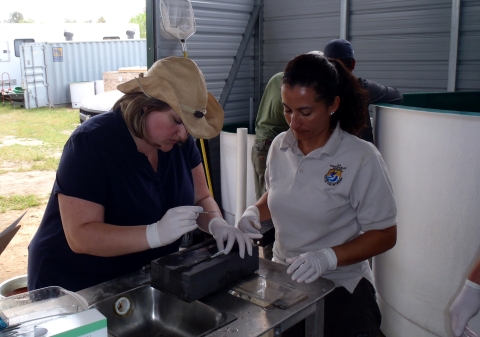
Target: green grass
19, 202
51, 127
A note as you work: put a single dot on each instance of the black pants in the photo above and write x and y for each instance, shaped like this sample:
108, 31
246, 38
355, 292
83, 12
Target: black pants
352, 315
347, 315
259, 160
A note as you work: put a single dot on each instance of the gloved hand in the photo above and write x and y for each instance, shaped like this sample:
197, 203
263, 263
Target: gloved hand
222, 231
176, 222
310, 266
469, 333
250, 217
465, 306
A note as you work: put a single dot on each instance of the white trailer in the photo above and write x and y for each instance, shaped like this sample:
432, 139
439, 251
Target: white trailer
13, 35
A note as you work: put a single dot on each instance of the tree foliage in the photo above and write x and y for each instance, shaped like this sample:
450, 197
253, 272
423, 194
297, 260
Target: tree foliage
101, 20
141, 20
70, 21
17, 17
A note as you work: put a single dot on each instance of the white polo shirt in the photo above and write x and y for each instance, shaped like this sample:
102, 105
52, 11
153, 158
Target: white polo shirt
327, 198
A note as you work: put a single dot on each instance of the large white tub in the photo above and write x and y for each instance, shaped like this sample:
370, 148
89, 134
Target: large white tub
433, 157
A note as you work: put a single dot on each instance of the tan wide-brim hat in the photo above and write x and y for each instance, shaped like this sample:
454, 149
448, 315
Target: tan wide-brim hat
179, 82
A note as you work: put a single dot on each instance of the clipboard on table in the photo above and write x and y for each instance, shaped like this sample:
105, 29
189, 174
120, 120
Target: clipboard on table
8, 233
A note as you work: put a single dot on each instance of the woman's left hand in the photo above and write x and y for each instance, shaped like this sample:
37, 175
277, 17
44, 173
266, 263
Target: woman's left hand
465, 306
310, 266
222, 231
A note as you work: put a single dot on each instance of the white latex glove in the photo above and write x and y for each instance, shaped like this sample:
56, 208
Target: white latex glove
222, 231
465, 306
176, 222
250, 217
310, 266
469, 333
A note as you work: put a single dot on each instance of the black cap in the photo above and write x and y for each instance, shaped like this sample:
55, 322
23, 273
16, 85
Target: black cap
338, 49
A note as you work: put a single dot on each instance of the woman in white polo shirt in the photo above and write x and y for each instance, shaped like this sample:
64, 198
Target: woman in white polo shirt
328, 193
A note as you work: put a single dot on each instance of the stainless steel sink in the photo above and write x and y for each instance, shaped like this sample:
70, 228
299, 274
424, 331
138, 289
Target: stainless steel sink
146, 311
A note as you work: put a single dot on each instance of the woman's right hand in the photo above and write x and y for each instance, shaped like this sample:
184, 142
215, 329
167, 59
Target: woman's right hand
176, 222
250, 221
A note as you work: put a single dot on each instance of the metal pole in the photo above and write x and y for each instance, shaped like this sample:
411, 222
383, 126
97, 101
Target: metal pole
239, 57
258, 74
45, 79
344, 9
151, 19
315, 322
33, 73
26, 91
453, 55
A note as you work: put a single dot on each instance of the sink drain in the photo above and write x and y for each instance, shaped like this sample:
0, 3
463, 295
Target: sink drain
122, 305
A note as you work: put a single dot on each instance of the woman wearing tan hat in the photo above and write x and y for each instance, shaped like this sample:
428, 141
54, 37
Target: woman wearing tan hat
130, 183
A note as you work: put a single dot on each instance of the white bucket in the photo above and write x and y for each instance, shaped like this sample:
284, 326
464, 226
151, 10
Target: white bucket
10, 285
99, 87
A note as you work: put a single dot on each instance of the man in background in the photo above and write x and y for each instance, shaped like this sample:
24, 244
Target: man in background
269, 123
342, 50
270, 120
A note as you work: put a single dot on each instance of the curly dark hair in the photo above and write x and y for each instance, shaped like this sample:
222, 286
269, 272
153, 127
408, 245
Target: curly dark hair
329, 78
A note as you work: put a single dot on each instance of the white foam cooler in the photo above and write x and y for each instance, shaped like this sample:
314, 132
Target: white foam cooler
81, 90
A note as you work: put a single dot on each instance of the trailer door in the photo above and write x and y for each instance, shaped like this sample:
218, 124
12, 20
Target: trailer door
34, 77
4, 52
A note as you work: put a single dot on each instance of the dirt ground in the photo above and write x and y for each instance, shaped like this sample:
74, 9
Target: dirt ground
13, 261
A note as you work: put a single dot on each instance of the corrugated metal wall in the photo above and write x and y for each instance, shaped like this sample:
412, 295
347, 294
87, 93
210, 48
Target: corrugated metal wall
294, 27
468, 68
220, 27
86, 61
404, 44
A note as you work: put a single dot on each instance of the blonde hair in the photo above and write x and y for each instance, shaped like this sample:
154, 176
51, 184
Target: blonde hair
135, 108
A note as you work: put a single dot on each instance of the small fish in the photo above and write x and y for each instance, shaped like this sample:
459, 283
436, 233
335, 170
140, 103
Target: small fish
183, 268
218, 253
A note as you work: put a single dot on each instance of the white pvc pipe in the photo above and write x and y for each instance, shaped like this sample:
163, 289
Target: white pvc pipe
228, 174
242, 134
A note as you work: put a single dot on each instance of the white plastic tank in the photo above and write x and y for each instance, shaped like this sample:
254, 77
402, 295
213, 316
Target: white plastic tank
81, 90
229, 165
433, 161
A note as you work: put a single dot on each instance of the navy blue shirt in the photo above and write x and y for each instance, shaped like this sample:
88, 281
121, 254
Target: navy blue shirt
100, 163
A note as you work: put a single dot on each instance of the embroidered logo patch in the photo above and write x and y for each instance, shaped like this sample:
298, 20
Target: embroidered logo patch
334, 175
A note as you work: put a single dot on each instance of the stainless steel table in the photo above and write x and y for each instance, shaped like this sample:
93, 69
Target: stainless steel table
252, 320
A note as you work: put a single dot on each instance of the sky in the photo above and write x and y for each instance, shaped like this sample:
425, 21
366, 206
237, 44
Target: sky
56, 11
